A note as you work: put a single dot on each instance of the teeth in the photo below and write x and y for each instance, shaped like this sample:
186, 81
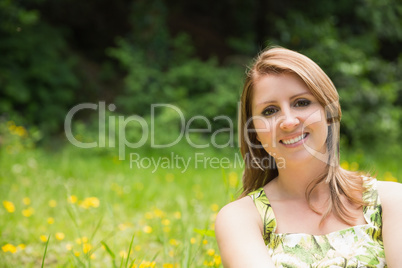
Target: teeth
291, 141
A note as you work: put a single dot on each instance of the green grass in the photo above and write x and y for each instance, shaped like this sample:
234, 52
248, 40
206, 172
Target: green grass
86, 208
98, 204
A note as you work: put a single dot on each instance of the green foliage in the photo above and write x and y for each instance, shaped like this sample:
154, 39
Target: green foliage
36, 75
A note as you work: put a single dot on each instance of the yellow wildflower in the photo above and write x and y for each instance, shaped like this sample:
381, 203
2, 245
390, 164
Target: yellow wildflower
389, 177
69, 246
158, 213
193, 240
76, 253
147, 229
43, 238
60, 236
90, 202
50, 220
173, 242
217, 260
52, 203
205, 241
84, 239
123, 254
26, 201
93, 256
168, 265
166, 229
78, 241
354, 166
148, 215
177, 215
9, 248
72, 199
233, 181
345, 165
21, 246
169, 177
86, 247
165, 222
28, 212
137, 248
214, 207
211, 252
9, 206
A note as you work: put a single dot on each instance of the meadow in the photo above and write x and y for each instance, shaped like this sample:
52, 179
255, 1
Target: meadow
87, 208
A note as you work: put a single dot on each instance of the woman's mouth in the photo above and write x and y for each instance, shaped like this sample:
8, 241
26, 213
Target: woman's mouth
294, 140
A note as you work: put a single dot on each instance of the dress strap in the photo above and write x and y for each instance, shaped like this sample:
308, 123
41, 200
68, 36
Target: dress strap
373, 210
266, 212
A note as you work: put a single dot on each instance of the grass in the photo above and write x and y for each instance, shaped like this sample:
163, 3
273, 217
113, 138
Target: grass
98, 211
83, 208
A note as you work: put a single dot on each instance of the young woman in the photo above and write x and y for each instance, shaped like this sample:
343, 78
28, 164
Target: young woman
299, 208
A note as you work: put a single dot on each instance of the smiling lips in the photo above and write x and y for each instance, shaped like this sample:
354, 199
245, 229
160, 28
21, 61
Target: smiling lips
294, 140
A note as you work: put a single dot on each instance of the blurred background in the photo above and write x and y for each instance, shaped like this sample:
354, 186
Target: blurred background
56, 54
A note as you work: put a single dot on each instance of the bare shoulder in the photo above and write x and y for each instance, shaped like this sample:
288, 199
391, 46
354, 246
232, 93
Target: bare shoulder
239, 212
238, 230
390, 193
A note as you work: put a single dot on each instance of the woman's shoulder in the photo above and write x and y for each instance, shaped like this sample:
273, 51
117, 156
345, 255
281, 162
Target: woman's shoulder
390, 194
241, 208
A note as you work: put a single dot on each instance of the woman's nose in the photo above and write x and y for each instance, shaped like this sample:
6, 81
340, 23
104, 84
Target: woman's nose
289, 121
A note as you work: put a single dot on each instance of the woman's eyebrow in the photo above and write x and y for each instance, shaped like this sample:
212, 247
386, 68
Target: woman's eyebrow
294, 96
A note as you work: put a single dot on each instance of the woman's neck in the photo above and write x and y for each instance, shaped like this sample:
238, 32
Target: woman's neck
294, 178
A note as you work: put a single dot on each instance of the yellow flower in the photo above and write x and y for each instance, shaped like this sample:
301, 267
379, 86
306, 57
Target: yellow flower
123, 254
26, 201
214, 207
205, 242
345, 165
148, 215
168, 265
193, 240
86, 247
60, 236
78, 241
50, 220
177, 215
389, 177
76, 253
165, 222
72, 199
173, 242
137, 248
90, 202
166, 229
9, 206
147, 229
354, 166
84, 239
158, 213
93, 256
233, 181
9, 248
28, 212
211, 252
69, 246
122, 226
43, 238
52, 203
169, 177
21, 246
217, 260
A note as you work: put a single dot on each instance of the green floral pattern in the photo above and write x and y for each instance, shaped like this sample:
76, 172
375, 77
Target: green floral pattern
357, 246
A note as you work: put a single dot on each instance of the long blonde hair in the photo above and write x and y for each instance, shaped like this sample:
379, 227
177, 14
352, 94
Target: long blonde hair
341, 182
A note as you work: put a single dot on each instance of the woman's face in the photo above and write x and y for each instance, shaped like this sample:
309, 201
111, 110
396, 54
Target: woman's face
289, 121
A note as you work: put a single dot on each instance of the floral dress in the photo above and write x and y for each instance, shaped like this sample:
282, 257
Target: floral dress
357, 246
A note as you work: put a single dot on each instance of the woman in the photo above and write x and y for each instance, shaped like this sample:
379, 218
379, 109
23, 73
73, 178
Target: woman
299, 208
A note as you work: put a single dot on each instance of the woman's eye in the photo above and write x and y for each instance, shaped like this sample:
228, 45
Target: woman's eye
302, 103
269, 111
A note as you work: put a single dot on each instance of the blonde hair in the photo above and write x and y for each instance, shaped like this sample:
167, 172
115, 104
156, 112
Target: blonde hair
341, 182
